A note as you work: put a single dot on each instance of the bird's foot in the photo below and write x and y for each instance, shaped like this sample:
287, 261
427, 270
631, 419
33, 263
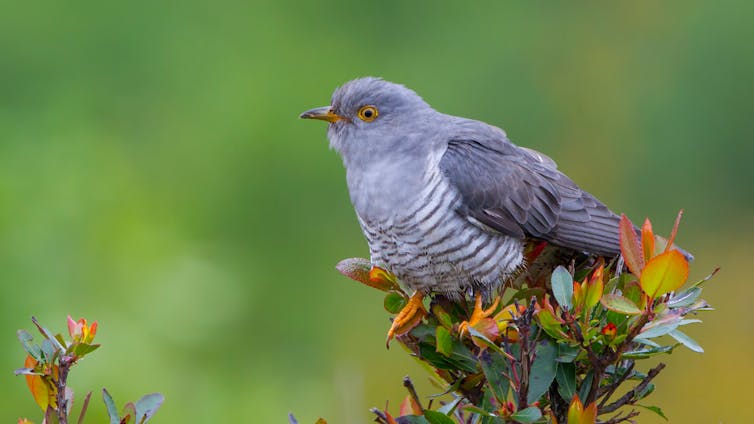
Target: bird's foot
480, 318
408, 318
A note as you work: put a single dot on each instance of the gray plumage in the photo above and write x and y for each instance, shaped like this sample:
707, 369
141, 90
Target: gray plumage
446, 203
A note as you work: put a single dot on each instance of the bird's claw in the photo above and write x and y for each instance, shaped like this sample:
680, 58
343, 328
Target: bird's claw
408, 318
478, 314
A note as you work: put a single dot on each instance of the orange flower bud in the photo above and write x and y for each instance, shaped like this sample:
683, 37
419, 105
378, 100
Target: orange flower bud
609, 331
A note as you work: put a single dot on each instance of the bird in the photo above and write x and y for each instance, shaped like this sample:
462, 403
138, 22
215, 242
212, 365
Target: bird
447, 204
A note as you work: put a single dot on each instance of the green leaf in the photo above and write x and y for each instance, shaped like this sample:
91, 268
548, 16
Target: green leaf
632, 291
527, 415
394, 303
543, 369
48, 335
618, 303
479, 411
646, 392
435, 417
449, 407
442, 316
32, 349
550, 324
82, 349
646, 353
647, 342
655, 409
26, 371
566, 378
112, 410
494, 368
49, 350
444, 341
527, 293
685, 298
660, 327
567, 353
562, 287
686, 341
412, 419
586, 385
461, 358
147, 406
612, 284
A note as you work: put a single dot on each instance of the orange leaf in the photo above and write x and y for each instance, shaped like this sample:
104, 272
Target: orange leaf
575, 410
37, 386
664, 273
647, 240
409, 406
594, 288
590, 414
629, 246
381, 279
40, 390
361, 270
577, 414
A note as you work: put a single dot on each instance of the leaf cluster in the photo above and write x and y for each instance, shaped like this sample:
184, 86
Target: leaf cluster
48, 364
557, 346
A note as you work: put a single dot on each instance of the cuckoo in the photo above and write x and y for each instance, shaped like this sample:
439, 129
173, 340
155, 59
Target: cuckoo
447, 204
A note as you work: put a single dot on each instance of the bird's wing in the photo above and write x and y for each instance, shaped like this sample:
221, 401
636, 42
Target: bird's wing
520, 193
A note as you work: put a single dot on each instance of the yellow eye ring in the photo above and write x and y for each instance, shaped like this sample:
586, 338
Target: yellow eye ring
368, 113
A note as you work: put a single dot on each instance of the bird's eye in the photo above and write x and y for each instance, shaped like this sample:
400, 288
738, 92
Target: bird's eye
368, 113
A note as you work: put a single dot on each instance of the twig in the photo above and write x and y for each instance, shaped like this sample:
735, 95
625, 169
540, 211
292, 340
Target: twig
381, 417
409, 385
526, 354
620, 418
607, 391
629, 397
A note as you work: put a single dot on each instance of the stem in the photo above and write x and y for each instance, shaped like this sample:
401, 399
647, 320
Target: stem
608, 390
60, 384
409, 385
631, 395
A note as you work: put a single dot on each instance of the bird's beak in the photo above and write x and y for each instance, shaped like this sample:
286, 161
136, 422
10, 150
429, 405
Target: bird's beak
323, 113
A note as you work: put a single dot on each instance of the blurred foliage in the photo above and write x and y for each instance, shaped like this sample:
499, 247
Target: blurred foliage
153, 173
48, 366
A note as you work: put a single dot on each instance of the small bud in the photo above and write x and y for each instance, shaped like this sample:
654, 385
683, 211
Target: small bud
609, 331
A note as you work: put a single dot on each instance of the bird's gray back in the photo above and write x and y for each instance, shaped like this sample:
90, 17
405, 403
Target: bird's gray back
426, 243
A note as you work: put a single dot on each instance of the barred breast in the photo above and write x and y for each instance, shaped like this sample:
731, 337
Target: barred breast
431, 248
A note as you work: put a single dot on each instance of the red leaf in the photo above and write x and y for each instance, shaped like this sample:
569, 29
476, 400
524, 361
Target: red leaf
629, 246
675, 230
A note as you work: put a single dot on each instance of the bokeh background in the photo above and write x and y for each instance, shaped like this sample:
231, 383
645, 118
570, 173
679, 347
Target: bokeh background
154, 176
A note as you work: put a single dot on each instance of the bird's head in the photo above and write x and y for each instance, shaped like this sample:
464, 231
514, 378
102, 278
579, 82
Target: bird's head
370, 116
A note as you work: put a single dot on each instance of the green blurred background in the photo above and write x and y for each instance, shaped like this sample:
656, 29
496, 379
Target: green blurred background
154, 176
